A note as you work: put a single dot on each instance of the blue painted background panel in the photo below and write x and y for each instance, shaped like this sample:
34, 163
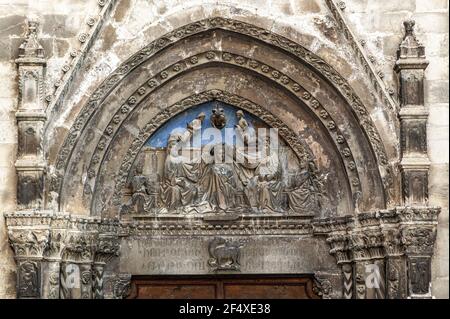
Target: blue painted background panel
178, 123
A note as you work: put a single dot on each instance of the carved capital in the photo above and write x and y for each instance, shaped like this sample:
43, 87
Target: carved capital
367, 244
107, 247
79, 247
28, 243
339, 247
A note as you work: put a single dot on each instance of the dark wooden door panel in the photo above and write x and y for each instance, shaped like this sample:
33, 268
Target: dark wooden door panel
238, 291
223, 287
176, 291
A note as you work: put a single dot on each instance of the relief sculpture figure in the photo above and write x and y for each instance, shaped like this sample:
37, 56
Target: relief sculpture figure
224, 254
140, 200
268, 175
307, 189
218, 182
181, 174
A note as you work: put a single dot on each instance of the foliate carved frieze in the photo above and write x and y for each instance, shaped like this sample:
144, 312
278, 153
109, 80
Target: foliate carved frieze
80, 247
51, 235
418, 214
254, 225
235, 26
385, 233
28, 243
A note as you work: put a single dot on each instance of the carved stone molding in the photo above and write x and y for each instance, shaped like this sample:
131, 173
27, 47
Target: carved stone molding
121, 286
322, 286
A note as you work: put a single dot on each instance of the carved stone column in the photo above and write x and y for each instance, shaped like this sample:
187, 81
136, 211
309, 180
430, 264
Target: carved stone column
369, 264
107, 247
414, 165
396, 270
30, 163
77, 260
53, 255
28, 235
418, 231
336, 230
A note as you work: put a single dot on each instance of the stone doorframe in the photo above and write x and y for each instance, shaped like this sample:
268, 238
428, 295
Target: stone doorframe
399, 241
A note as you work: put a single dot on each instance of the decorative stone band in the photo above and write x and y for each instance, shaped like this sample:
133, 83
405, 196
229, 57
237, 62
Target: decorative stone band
52, 236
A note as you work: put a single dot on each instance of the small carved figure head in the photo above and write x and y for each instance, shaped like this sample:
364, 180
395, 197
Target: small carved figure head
201, 116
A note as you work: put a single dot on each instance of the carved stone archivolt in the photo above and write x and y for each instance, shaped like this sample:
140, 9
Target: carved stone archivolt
241, 28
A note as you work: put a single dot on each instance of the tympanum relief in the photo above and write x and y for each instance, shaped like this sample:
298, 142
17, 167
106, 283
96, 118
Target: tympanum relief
217, 159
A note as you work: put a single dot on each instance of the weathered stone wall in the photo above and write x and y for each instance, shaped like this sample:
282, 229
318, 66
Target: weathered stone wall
133, 23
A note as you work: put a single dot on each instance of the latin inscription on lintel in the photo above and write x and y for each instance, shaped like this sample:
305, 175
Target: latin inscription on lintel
164, 256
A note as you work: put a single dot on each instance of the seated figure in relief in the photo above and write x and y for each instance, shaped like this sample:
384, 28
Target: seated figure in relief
140, 201
218, 181
179, 188
305, 194
268, 175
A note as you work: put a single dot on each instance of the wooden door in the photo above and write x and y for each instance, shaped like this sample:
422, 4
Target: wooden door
223, 287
